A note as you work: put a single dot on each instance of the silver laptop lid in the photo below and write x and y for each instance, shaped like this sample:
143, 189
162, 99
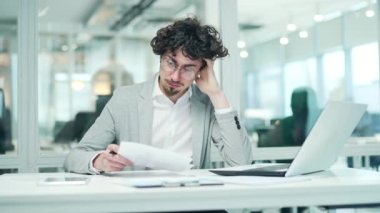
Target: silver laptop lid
329, 134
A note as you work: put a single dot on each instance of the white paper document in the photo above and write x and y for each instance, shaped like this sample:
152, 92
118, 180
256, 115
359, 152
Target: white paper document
147, 156
63, 181
173, 182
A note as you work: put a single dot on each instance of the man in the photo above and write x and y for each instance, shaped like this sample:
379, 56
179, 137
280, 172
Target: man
170, 111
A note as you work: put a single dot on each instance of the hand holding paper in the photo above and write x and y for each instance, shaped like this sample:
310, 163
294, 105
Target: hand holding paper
109, 161
154, 158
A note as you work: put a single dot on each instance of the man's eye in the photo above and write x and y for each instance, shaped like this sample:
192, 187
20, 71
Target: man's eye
189, 69
171, 63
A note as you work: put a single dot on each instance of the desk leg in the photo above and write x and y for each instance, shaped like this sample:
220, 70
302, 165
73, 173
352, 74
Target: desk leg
217, 164
357, 161
366, 162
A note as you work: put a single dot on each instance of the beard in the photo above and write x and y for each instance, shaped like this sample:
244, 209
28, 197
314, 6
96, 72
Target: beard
169, 91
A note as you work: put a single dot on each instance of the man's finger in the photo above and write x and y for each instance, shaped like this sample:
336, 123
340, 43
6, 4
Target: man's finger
115, 168
113, 148
108, 165
209, 62
117, 159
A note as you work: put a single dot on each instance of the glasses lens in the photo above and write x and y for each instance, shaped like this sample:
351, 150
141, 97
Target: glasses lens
170, 66
187, 73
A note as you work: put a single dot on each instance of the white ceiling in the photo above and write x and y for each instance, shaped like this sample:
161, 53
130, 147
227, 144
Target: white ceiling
274, 15
271, 15
280, 11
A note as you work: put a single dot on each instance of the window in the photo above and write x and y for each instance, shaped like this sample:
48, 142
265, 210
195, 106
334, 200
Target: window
333, 76
336, 58
365, 75
269, 90
299, 74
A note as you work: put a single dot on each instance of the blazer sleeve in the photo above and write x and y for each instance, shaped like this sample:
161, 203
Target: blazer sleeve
97, 138
231, 139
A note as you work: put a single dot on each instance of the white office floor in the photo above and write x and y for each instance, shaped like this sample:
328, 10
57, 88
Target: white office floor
358, 210
310, 210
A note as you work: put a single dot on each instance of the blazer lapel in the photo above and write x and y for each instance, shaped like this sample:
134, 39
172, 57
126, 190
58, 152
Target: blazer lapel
145, 109
197, 109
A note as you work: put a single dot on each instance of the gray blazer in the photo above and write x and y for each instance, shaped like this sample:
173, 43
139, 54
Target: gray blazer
128, 116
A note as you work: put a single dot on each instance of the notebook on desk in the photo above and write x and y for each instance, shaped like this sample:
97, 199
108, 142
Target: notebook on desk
321, 147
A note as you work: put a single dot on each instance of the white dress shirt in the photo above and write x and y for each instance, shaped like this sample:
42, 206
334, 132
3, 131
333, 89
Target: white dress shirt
171, 128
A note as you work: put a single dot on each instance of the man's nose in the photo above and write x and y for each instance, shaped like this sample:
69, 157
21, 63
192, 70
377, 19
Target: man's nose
176, 74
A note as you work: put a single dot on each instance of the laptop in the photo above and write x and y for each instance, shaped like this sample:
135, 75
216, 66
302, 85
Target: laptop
321, 147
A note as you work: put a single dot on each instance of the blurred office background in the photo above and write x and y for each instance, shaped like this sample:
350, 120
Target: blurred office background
61, 60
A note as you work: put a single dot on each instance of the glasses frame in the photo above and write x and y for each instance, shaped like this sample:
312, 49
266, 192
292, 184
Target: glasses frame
170, 66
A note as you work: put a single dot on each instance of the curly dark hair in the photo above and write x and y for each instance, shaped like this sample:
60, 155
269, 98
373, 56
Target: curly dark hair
196, 40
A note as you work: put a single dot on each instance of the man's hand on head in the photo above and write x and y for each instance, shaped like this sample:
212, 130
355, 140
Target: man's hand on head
110, 161
207, 83
206, 79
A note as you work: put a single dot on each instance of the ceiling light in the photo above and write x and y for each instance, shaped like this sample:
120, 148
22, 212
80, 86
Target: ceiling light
64, 48
244, 54
303, 34
77, 85
369, 13
291, 27
318, 17
241, 44
284, 40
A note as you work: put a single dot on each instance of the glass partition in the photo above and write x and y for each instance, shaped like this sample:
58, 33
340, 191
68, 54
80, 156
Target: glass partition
8, 76
334, 84
334, 57
89, 50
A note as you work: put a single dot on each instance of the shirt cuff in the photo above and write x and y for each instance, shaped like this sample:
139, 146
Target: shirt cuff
223, 111
91, 167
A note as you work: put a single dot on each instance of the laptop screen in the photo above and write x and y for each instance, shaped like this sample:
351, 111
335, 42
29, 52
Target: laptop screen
329, 134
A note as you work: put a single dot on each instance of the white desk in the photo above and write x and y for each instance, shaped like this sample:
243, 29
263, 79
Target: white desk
20, 193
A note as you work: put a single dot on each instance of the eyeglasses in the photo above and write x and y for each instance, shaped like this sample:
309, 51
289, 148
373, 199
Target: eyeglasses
169, 66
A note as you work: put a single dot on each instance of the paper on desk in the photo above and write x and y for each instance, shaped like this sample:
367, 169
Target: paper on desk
147, 156
151, 182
